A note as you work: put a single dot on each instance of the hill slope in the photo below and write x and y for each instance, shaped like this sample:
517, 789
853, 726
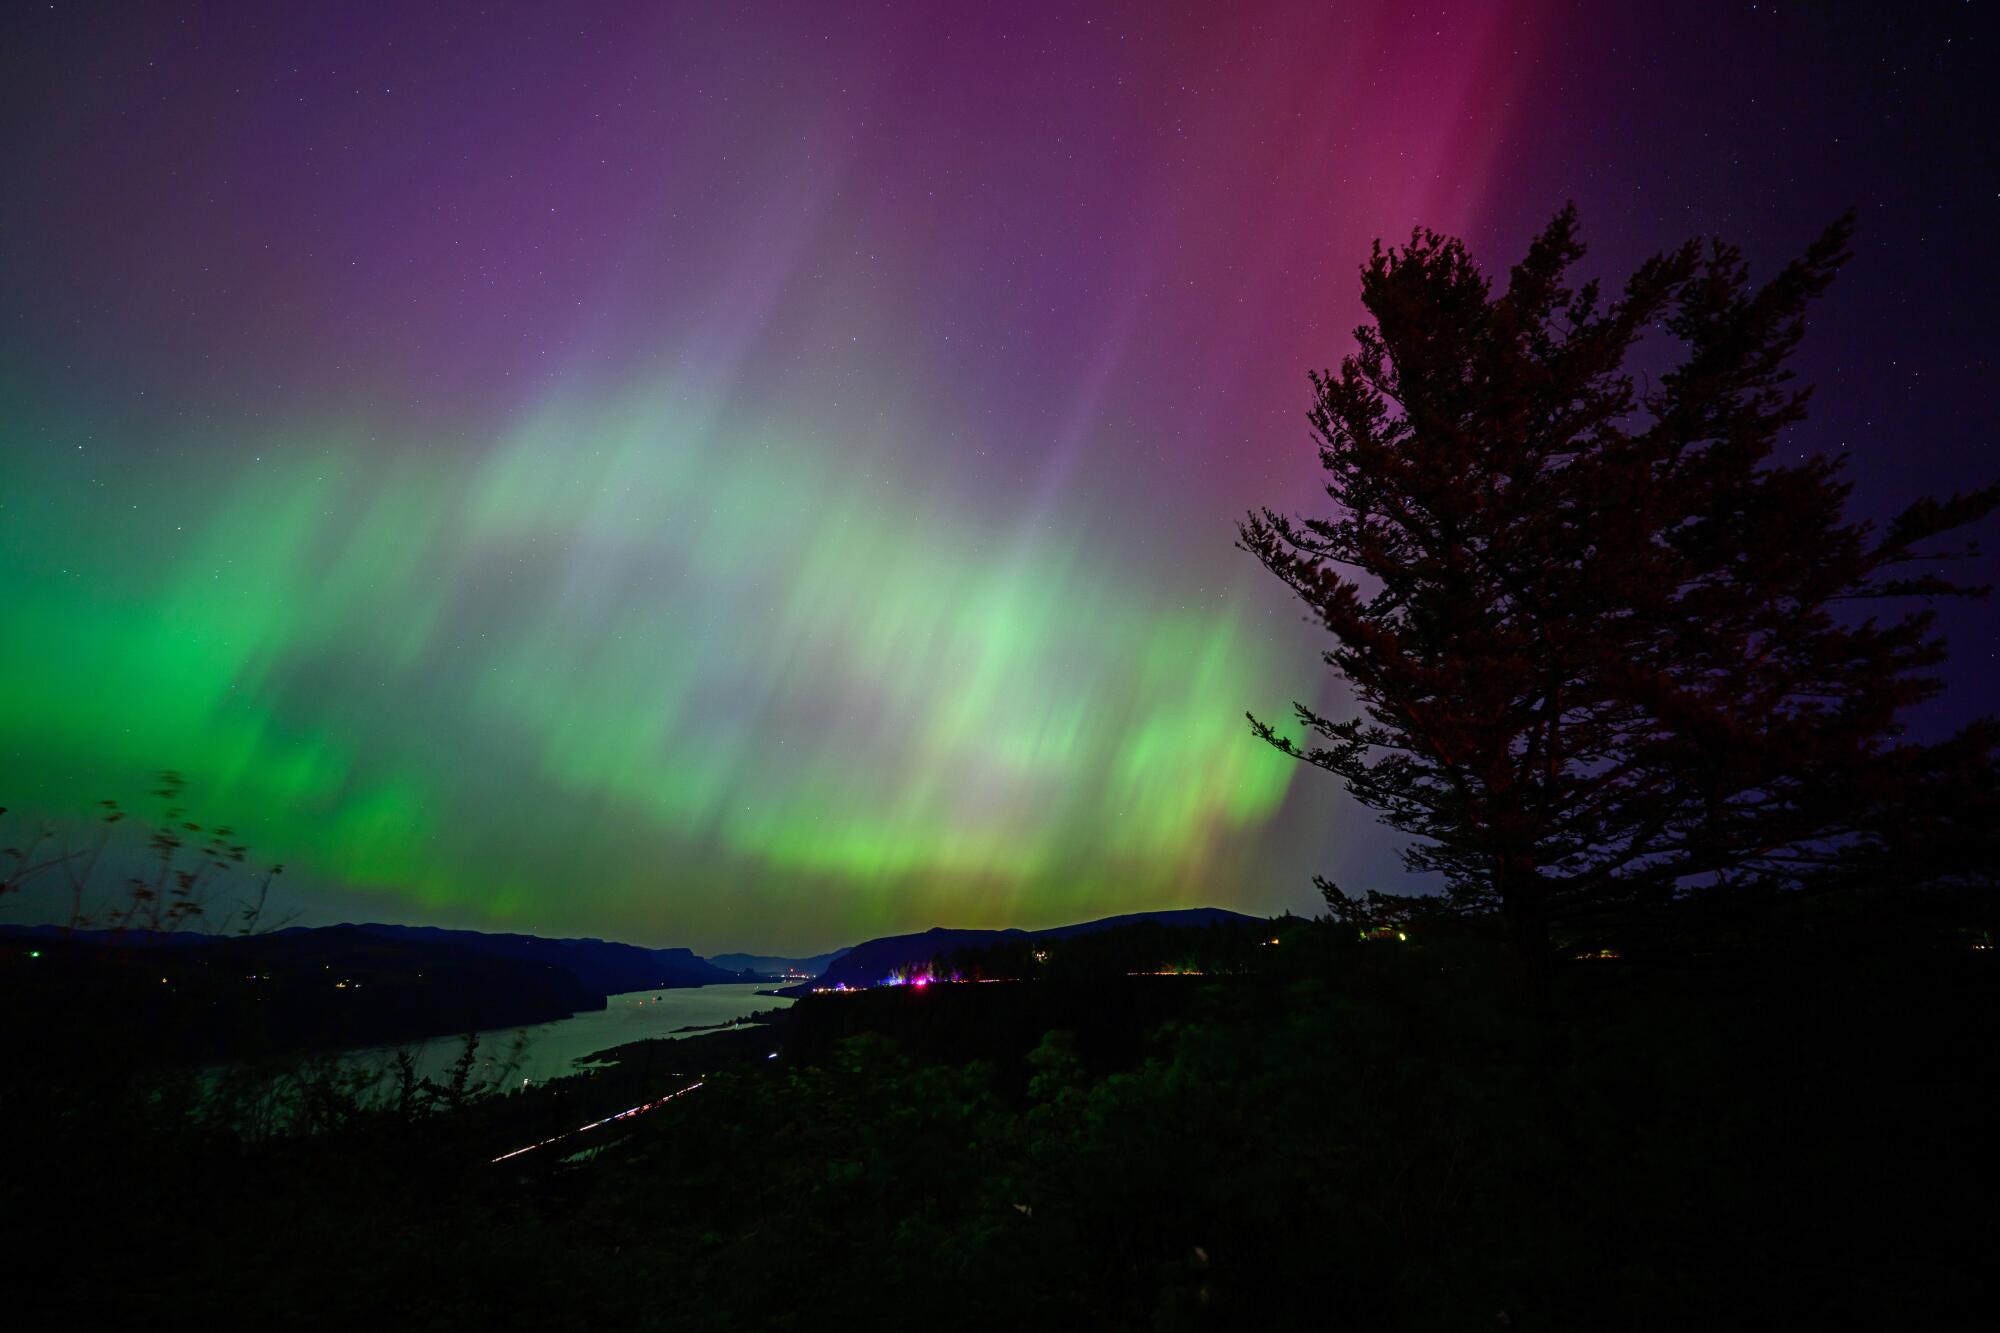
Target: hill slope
603, 965
873, 962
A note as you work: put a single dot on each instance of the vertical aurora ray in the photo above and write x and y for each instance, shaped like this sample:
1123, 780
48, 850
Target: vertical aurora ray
692, 477
630, 625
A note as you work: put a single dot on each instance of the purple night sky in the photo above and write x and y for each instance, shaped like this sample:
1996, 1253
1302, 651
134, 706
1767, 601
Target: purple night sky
763, 475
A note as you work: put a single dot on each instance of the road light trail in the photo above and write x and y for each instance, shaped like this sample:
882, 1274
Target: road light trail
626, 1114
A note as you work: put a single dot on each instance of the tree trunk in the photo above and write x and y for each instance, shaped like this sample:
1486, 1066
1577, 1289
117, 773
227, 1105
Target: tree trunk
1525, 909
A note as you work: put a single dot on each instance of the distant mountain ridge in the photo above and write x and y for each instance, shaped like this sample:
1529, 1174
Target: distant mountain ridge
334, 986
772, 965
603, 965
872, 962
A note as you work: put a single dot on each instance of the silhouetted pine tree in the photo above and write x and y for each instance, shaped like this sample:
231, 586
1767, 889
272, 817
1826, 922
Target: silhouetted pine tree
1591, 624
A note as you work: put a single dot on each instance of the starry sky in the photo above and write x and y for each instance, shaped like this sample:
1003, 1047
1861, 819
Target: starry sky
761, 476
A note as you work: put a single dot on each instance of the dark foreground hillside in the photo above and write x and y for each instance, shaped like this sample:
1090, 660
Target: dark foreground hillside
220, 996
1375, 1136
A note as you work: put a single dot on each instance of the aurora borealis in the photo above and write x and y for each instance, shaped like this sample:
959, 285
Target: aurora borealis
758, 476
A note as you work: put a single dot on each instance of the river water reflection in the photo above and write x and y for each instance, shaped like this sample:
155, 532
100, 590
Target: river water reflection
551, 1050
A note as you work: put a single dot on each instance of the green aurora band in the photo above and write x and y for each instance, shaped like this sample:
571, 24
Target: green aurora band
638, 664
743, 478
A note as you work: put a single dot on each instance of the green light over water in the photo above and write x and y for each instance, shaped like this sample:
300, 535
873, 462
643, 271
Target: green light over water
626, 666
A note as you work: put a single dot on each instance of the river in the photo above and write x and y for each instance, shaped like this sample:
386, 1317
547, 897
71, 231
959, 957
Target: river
551, 1050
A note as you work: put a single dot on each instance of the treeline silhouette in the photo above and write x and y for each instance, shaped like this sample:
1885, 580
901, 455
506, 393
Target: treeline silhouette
1615, 645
